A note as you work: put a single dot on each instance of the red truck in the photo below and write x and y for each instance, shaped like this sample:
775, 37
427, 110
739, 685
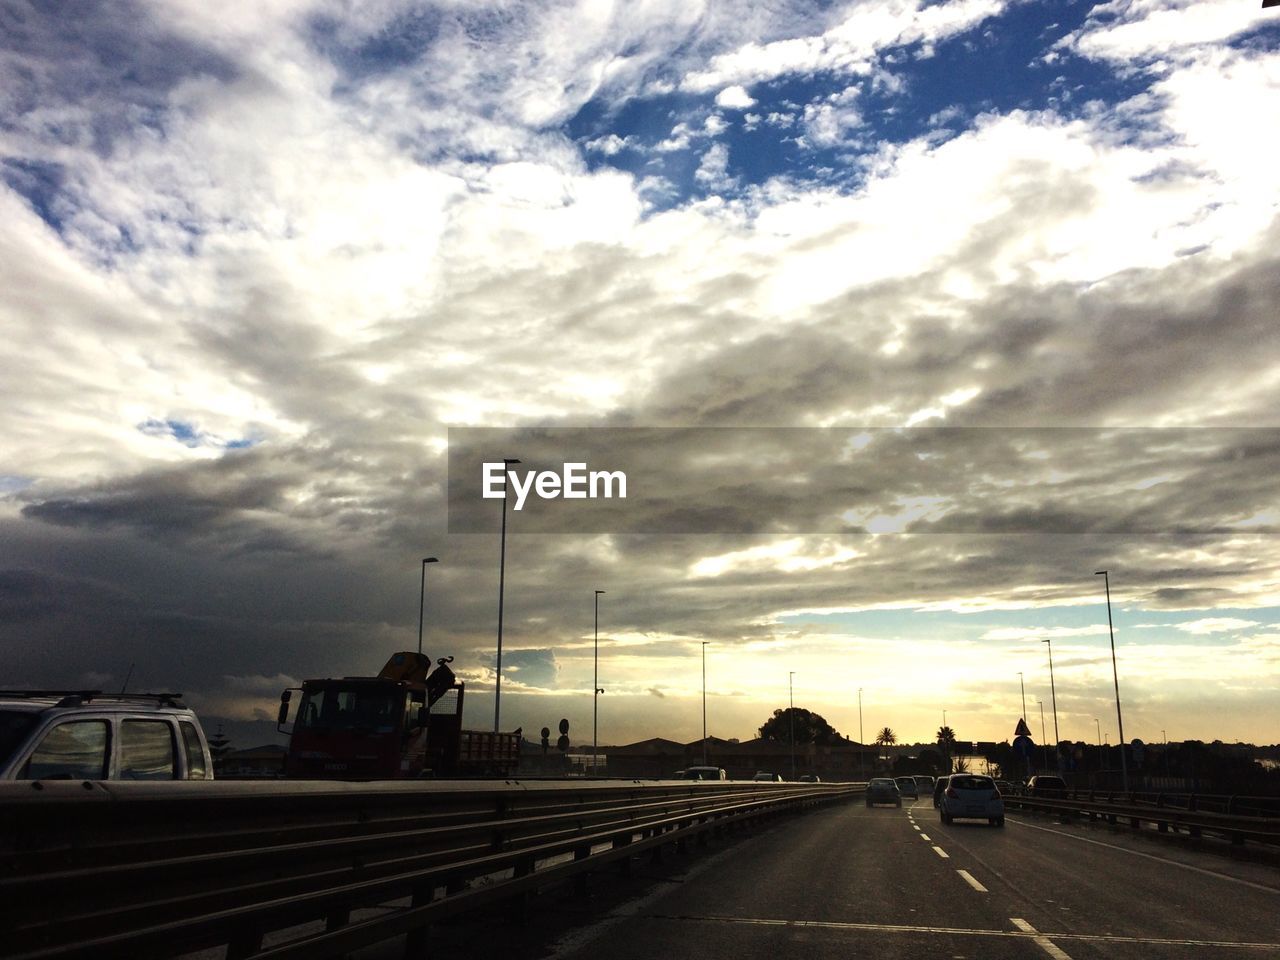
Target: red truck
405, 722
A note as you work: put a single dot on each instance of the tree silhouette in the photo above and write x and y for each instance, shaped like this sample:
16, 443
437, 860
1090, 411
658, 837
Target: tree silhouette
810, 727
947, 740
219, 746
886, 737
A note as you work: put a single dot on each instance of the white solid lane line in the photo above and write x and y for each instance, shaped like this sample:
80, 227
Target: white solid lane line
942, 853
1044, 943
971, 881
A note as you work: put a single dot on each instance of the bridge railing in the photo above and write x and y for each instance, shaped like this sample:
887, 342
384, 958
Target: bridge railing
1238, 819
98, 869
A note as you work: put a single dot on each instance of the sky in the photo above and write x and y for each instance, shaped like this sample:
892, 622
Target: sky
1014, 267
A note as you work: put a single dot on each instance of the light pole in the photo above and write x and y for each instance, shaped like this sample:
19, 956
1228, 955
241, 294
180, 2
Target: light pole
1098, 726
861, 743
1023, 685
1057, 737
422, 597
704, 702
502, 579
1043, 738
595, 689
791, 696
1115, 674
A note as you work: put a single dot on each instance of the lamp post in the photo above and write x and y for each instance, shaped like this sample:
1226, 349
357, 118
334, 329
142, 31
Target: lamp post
1043, 738
704, 702
1098, 726
595, 689
791, 696
1115, 674
1023, 685
422, 597
861, 743
1057, 737
502, 579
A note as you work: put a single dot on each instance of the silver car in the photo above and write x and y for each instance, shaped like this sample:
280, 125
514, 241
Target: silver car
969, 795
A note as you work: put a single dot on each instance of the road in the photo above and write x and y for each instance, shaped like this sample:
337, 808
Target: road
895, 883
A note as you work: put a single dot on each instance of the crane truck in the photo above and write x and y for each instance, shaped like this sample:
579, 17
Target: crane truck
405, 722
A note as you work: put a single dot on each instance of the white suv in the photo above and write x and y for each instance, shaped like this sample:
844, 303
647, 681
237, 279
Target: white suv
88, 735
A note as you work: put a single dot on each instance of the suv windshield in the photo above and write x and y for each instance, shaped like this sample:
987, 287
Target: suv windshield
14, 726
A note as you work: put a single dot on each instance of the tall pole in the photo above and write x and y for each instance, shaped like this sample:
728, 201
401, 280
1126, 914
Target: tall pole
1044, 739
1115, 674
861, 743
1023, 685
792, 697
422, 598
595, 690
502, 579
1057, 737
1098, 726
704, 702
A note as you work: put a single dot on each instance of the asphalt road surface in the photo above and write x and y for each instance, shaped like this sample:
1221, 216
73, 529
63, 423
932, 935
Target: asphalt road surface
848, 881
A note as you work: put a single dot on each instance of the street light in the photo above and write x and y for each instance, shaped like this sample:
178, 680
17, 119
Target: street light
704, 702
792, 697
1115, 674
502, 579
861, 743
1057, 737
1043, 738
422, 598
1098, 727
1023, 685
595, 687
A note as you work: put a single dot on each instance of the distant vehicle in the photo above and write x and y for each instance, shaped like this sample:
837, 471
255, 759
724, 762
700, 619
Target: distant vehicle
89, 735
809, 778
939, 785
1006, 788
972, 796
763, 777
883, 790
1045, 785
907, 787
924, 785
703, 773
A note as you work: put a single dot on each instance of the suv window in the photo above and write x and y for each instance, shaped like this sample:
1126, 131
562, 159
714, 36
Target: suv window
195, 753
146, 750
76, 750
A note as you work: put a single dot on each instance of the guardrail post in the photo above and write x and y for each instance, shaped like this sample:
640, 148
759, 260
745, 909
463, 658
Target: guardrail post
416, 941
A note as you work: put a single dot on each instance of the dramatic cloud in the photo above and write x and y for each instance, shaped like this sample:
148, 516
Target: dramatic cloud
256, 263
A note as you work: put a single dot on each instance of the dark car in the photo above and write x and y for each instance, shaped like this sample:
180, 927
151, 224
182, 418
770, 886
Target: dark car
939, 786
883, 790
907, 787
1045, 785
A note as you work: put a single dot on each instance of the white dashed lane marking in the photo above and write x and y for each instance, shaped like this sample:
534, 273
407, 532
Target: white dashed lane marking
942, 853
1044, 943
969, 879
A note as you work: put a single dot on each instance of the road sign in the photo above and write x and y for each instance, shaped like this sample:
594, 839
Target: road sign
1021, 730
1023, 746
564, 728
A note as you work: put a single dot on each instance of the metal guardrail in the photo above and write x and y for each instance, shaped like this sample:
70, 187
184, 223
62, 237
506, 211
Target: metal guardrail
1255, 819
107, 869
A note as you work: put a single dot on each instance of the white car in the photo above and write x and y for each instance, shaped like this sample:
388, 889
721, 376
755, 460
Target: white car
971, 796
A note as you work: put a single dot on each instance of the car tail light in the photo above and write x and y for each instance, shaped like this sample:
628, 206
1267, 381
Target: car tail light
995, 794
951, 792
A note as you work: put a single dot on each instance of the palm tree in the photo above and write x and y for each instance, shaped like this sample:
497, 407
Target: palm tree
886, 737
946, 740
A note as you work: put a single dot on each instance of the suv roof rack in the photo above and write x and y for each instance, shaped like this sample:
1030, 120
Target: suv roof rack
69, 698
